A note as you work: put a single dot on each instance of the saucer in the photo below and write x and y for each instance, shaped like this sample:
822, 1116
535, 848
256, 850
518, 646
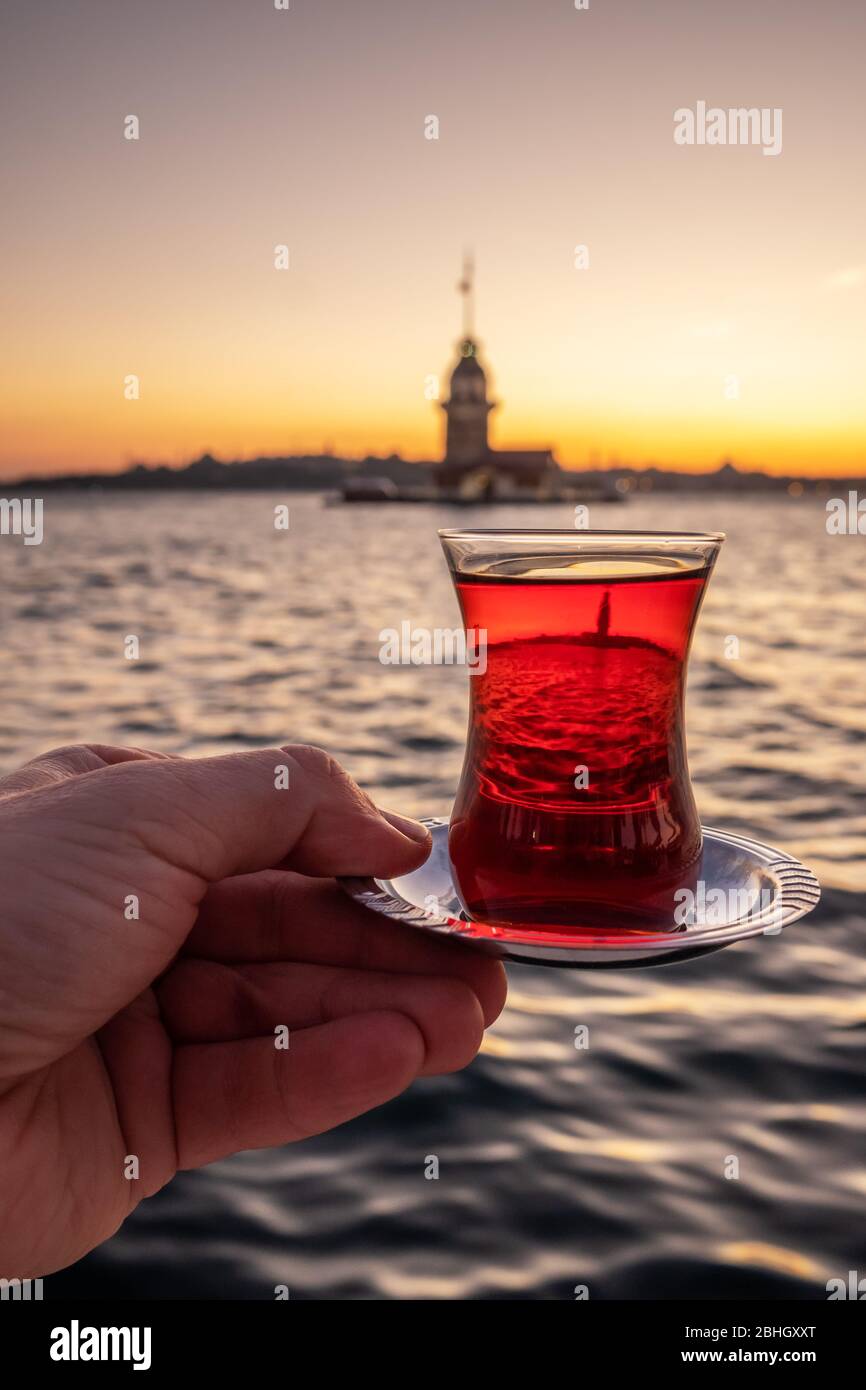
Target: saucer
750, 890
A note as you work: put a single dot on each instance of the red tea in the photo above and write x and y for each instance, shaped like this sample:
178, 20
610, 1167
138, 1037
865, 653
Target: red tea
575, 807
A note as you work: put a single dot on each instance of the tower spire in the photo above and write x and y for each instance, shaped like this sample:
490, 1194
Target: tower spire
467, 290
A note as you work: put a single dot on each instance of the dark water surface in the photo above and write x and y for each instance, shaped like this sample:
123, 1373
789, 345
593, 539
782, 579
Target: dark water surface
558, 1167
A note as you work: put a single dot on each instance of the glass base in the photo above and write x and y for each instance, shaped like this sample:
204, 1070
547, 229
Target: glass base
744, 889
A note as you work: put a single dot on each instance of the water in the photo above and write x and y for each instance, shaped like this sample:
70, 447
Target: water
558, 1167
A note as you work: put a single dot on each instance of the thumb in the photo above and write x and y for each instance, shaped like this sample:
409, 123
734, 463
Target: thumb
293, 807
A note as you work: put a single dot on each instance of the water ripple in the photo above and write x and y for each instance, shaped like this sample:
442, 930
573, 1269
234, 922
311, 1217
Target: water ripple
607, 1166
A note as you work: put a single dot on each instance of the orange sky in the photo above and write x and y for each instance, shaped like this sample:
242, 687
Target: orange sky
306, 127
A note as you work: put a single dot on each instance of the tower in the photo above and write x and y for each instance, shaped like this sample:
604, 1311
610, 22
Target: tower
467, 408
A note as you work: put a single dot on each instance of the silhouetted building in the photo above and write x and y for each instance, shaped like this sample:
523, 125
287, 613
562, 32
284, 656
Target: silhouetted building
467, 410
470, 466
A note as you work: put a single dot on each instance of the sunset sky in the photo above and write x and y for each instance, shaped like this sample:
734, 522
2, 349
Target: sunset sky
307, 127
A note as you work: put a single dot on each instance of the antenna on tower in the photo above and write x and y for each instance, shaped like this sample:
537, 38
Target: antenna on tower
467, 290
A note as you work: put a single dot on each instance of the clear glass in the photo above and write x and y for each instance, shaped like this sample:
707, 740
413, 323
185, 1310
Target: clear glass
575, 808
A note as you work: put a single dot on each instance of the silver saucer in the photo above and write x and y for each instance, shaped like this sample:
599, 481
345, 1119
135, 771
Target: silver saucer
762, 891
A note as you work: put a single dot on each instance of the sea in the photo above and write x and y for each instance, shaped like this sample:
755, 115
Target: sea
605, 1168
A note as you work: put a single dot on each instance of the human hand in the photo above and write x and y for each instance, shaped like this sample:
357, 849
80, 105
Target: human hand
155, 1037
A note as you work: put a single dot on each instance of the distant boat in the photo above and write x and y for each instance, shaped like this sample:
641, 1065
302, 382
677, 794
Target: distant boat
381, 490
369, 490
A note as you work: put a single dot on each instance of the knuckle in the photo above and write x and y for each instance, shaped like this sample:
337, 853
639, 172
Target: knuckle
322, 767
318, 762
63, 750
76, 756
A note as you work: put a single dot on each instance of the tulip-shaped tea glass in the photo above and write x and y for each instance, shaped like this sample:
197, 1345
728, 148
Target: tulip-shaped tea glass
574, 839
575, 810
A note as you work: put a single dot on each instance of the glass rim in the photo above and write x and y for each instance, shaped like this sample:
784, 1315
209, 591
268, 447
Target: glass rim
578, 534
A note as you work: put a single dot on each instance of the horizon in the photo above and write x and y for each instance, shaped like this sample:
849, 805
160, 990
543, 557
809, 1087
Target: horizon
156, 257
618, 466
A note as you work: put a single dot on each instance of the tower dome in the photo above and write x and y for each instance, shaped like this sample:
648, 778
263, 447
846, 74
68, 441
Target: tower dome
468, 380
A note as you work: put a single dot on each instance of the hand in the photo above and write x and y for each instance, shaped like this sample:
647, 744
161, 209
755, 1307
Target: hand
154, 1036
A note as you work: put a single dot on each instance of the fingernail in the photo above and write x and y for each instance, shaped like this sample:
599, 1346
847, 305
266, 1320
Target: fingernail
411, 828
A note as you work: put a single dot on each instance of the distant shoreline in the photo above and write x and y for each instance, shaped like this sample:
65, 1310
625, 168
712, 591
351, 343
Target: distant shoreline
325, 473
